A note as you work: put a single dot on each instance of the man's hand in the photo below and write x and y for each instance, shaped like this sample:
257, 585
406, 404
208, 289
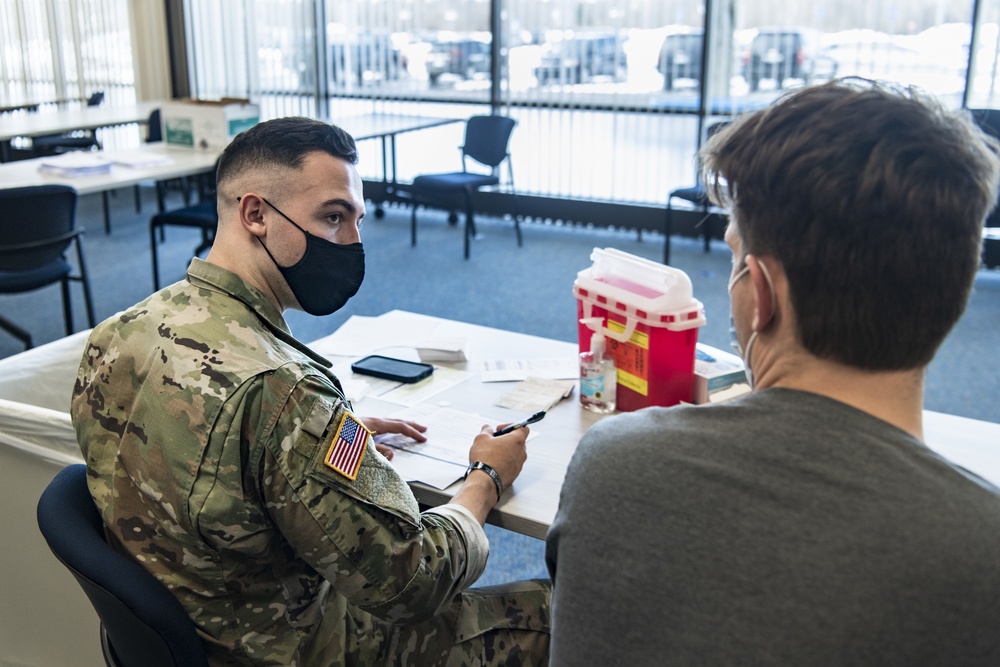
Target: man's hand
506, 455
410, 429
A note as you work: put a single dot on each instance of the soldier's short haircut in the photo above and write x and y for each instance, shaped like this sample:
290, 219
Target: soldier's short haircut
872, 198
283, 142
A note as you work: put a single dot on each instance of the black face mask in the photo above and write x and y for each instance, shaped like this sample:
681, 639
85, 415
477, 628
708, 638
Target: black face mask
327, 275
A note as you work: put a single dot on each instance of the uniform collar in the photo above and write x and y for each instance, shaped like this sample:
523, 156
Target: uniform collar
211, 276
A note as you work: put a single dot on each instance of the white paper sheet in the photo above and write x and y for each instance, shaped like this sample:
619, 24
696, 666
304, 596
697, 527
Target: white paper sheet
449, 434
508, 370
360, 336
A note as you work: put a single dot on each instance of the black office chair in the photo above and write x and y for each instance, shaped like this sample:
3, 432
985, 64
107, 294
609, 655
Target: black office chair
37, 225
203, 216
54, 144
142, 623
486, 141
696, 195
989, 121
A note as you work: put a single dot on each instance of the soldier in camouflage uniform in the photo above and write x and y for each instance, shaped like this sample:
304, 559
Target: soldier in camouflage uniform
225, 459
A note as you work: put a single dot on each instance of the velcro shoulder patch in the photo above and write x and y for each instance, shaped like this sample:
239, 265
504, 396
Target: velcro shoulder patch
347, 446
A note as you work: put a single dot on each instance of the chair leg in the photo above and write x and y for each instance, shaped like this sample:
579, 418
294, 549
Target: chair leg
16, 331
708, 228
138, 199
517, 204
88, 302
107, 212
152, 247
668, 229
413, 225
67, 305
470, 224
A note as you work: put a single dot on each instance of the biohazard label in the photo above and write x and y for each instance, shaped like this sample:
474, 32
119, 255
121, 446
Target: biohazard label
631, 358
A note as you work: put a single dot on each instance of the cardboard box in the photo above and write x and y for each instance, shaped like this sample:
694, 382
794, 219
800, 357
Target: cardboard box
714, 371
206, 124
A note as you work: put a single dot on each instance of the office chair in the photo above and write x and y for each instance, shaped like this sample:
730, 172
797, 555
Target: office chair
37, 225
486, 141
988, 121
203, 216
694, 194
54, 144
142, 623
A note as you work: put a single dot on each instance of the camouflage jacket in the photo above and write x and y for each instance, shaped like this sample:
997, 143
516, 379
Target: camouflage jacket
205, 427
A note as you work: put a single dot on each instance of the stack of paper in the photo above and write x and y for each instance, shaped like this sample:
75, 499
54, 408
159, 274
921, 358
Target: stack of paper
139, 159
76, 163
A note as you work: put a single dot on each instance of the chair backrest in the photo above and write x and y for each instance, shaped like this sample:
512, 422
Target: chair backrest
41, 215
487, 138
153, 130
710, 130
988, 121
96, 99
142, 620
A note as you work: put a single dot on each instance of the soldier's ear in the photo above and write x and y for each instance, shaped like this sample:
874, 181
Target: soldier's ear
250, 210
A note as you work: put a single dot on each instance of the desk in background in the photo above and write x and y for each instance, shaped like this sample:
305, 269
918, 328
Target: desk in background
71, 120
184, 162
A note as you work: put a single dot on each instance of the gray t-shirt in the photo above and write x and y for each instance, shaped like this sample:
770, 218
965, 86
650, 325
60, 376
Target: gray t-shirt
784, 528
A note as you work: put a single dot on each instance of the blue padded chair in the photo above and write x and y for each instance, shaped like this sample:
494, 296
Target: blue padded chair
37, 225
486, 142
696, 195
142, 623
203, 216
989, 121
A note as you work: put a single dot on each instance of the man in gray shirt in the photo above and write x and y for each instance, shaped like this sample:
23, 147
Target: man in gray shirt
807, 523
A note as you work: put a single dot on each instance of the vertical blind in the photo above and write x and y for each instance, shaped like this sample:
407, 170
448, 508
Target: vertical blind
54, 50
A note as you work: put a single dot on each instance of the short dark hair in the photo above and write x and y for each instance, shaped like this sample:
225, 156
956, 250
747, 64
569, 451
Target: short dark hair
284, 142
872, 197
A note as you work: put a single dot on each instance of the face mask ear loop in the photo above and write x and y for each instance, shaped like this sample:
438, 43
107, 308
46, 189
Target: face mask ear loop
770, 284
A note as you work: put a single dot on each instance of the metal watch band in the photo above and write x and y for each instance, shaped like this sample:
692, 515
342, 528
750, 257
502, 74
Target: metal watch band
479, 465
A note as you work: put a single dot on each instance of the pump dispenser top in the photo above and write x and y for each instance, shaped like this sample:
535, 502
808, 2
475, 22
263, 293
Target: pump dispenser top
598, 377
598, 344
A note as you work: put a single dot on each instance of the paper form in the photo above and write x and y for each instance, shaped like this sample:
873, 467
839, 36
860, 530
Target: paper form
450, 433
507, 370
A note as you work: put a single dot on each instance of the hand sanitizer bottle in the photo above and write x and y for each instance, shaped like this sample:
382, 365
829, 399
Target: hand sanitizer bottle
598, 377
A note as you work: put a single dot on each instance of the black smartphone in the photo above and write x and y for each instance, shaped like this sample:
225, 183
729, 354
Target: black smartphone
392, 369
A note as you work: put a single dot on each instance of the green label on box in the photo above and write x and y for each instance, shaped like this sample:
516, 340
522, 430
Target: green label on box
237, 125
179, 131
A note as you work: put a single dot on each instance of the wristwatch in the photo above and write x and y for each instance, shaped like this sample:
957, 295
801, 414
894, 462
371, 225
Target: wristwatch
479, 465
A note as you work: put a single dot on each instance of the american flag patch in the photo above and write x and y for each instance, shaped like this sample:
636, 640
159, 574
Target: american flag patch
348, 447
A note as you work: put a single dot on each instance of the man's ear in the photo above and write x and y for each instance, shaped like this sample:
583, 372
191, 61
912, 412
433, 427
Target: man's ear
250, 208
765, 304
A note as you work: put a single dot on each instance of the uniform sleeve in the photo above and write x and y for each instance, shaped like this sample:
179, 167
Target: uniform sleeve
364, 535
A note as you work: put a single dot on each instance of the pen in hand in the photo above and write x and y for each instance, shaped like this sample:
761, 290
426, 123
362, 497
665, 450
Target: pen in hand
521, 424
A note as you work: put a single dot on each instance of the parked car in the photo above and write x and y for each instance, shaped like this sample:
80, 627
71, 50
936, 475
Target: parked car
680, 57
464, 58
581, 58
784, 53
366, 58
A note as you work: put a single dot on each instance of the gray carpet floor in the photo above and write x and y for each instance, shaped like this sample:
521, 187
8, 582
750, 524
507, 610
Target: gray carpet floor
528, 289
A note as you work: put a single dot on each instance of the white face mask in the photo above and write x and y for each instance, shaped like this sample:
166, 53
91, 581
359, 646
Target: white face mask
734, 341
